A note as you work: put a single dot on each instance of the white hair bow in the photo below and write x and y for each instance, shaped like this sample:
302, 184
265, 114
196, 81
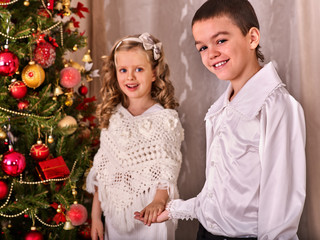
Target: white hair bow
148, 44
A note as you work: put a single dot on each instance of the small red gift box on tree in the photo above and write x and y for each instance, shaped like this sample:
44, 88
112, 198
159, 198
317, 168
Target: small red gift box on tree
53, 168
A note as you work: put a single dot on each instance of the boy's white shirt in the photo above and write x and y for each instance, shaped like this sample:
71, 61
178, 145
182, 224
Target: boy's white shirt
255, 168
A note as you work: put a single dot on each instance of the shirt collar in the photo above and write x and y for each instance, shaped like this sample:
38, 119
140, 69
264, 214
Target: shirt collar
252, 95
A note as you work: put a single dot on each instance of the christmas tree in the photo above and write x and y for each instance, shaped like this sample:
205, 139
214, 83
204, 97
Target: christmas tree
47, 128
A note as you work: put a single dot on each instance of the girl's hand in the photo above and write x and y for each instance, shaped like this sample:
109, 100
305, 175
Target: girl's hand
97, 230
151, 212
164, 216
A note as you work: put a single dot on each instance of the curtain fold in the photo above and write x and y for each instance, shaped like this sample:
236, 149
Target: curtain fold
309, 40
290, 38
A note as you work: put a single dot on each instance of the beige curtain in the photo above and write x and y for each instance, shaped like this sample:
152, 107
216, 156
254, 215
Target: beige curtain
290, 38
309, 43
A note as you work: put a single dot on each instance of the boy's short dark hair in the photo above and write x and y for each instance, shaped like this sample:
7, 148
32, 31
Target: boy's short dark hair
240, 12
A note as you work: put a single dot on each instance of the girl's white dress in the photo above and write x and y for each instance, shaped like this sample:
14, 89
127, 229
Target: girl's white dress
137, 156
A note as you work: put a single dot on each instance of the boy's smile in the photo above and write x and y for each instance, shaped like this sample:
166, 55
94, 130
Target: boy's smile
225, 51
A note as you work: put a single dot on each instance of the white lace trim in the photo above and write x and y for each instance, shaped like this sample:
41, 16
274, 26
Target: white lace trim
175, 213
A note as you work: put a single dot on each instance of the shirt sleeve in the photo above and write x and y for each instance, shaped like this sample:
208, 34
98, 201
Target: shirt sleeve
182, 209
283, 167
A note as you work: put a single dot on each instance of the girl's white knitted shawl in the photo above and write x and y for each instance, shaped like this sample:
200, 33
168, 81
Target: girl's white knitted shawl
137, 156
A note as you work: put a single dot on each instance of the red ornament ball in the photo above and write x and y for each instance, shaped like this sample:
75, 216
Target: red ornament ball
83, 90
44, 54
9, 63
77, 214
13, 163
18, 89
43, 12
70, 77
23, 105
3, 190
84, 231
39, 151
33, 235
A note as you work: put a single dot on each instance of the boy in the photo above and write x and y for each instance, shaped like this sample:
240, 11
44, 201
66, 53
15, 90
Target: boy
255, 167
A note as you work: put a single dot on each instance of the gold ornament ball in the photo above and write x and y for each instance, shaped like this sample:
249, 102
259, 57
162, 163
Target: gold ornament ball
68, 102
3, 134
50, 139
68, 124
33, 75
26, 3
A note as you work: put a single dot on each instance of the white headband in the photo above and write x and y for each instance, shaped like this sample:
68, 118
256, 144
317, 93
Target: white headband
147, 43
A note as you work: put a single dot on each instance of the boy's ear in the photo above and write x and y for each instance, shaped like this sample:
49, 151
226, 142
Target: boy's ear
254, 35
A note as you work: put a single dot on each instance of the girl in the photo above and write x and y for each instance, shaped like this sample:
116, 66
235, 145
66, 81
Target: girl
139, 159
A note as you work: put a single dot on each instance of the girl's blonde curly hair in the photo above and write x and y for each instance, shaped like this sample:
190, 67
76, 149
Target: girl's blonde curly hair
162, 90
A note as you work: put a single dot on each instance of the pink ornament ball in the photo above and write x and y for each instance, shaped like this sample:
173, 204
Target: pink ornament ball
9, 63
70, 77
13, 163
77, 214
3, 190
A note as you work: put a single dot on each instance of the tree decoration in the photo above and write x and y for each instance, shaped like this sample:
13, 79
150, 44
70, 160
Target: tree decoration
60, 216
17, 89
66, 7
9, 62
26, 3
39, 151
69, 77
35, 184
3, 189
33, 75
80, 9
33, 235
77, 214
3, 134
75, 65
68, 124
22, 105
44, 54
87, 58
83, 90
13, 163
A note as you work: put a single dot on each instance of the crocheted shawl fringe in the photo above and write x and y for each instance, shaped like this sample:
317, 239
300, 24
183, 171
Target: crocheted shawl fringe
123, 220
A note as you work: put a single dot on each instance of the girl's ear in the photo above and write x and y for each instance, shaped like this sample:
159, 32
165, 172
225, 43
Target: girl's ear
254, 36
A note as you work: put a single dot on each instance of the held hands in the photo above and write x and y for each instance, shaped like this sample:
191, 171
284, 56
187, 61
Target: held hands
153, 213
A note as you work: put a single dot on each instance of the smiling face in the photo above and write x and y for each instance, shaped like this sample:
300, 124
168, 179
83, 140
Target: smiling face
225, 51
134, 75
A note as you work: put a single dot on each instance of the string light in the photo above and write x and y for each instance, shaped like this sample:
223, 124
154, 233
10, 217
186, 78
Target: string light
48, 180
28, 114
8, 3
8, 198
14, 215
46, 224
42, 31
